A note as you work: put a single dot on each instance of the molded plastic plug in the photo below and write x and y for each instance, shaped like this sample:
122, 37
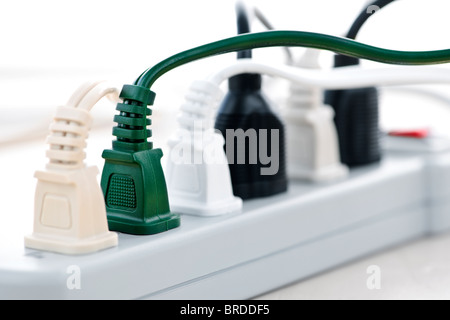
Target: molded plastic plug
312, 142
245, 115
357, 120
254, 139
133, 180
198, 176
70, 214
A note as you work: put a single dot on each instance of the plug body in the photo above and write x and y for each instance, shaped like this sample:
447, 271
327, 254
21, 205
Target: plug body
69, 214
357, 121
199, 181
357, 124
254, 139
133, 181
312, 142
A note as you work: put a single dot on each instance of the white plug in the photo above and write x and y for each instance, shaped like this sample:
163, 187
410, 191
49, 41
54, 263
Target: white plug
198, 176
70, 214
312, 142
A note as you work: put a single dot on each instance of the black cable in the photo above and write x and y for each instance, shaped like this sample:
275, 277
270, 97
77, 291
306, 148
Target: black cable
243, 26
342, 60
364, 16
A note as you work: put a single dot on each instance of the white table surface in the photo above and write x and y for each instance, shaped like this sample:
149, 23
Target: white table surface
418, 270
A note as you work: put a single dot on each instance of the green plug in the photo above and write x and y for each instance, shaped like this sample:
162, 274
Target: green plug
133, 180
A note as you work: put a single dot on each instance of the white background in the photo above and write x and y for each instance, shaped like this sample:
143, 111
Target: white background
49, 47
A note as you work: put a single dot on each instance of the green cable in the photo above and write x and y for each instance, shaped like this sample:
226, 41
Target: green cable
293, 39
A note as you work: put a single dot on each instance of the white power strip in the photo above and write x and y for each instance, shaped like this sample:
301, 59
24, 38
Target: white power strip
272, 242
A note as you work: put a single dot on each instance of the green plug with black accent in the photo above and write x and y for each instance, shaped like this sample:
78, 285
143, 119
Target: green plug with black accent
133, 180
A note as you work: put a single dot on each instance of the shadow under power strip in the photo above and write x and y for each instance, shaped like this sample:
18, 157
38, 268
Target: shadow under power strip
273, 242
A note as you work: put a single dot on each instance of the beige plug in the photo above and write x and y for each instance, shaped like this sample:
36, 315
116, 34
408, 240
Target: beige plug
69, 213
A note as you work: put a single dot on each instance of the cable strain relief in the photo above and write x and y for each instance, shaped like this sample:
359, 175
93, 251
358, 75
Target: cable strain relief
132, 122
245, 82
131, 147
201, 103
304, 97
67, 139
137, 93
345, 61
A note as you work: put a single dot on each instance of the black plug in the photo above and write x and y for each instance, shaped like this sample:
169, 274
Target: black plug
254, 135
356, 120
356, 110
254, 139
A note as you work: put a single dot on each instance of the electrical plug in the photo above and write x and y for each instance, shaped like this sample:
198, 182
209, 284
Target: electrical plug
245, 114
198, 178
69, 215
357, 120
311, 137
133, 181
254, 139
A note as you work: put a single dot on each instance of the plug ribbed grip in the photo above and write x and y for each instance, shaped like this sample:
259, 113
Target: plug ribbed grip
200, 106
131, 130
67, 139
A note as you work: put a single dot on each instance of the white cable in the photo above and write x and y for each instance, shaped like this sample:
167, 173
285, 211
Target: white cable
102, 89
425, 92
339, 78
85, 97
81, 92
72, 124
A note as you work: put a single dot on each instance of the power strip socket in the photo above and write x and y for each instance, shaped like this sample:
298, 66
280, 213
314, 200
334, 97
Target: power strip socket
273, 242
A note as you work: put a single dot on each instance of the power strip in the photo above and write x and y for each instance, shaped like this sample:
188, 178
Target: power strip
272, 242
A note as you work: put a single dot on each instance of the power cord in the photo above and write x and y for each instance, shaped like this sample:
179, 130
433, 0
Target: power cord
243, 26
364, 15
294, 39
340, 78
